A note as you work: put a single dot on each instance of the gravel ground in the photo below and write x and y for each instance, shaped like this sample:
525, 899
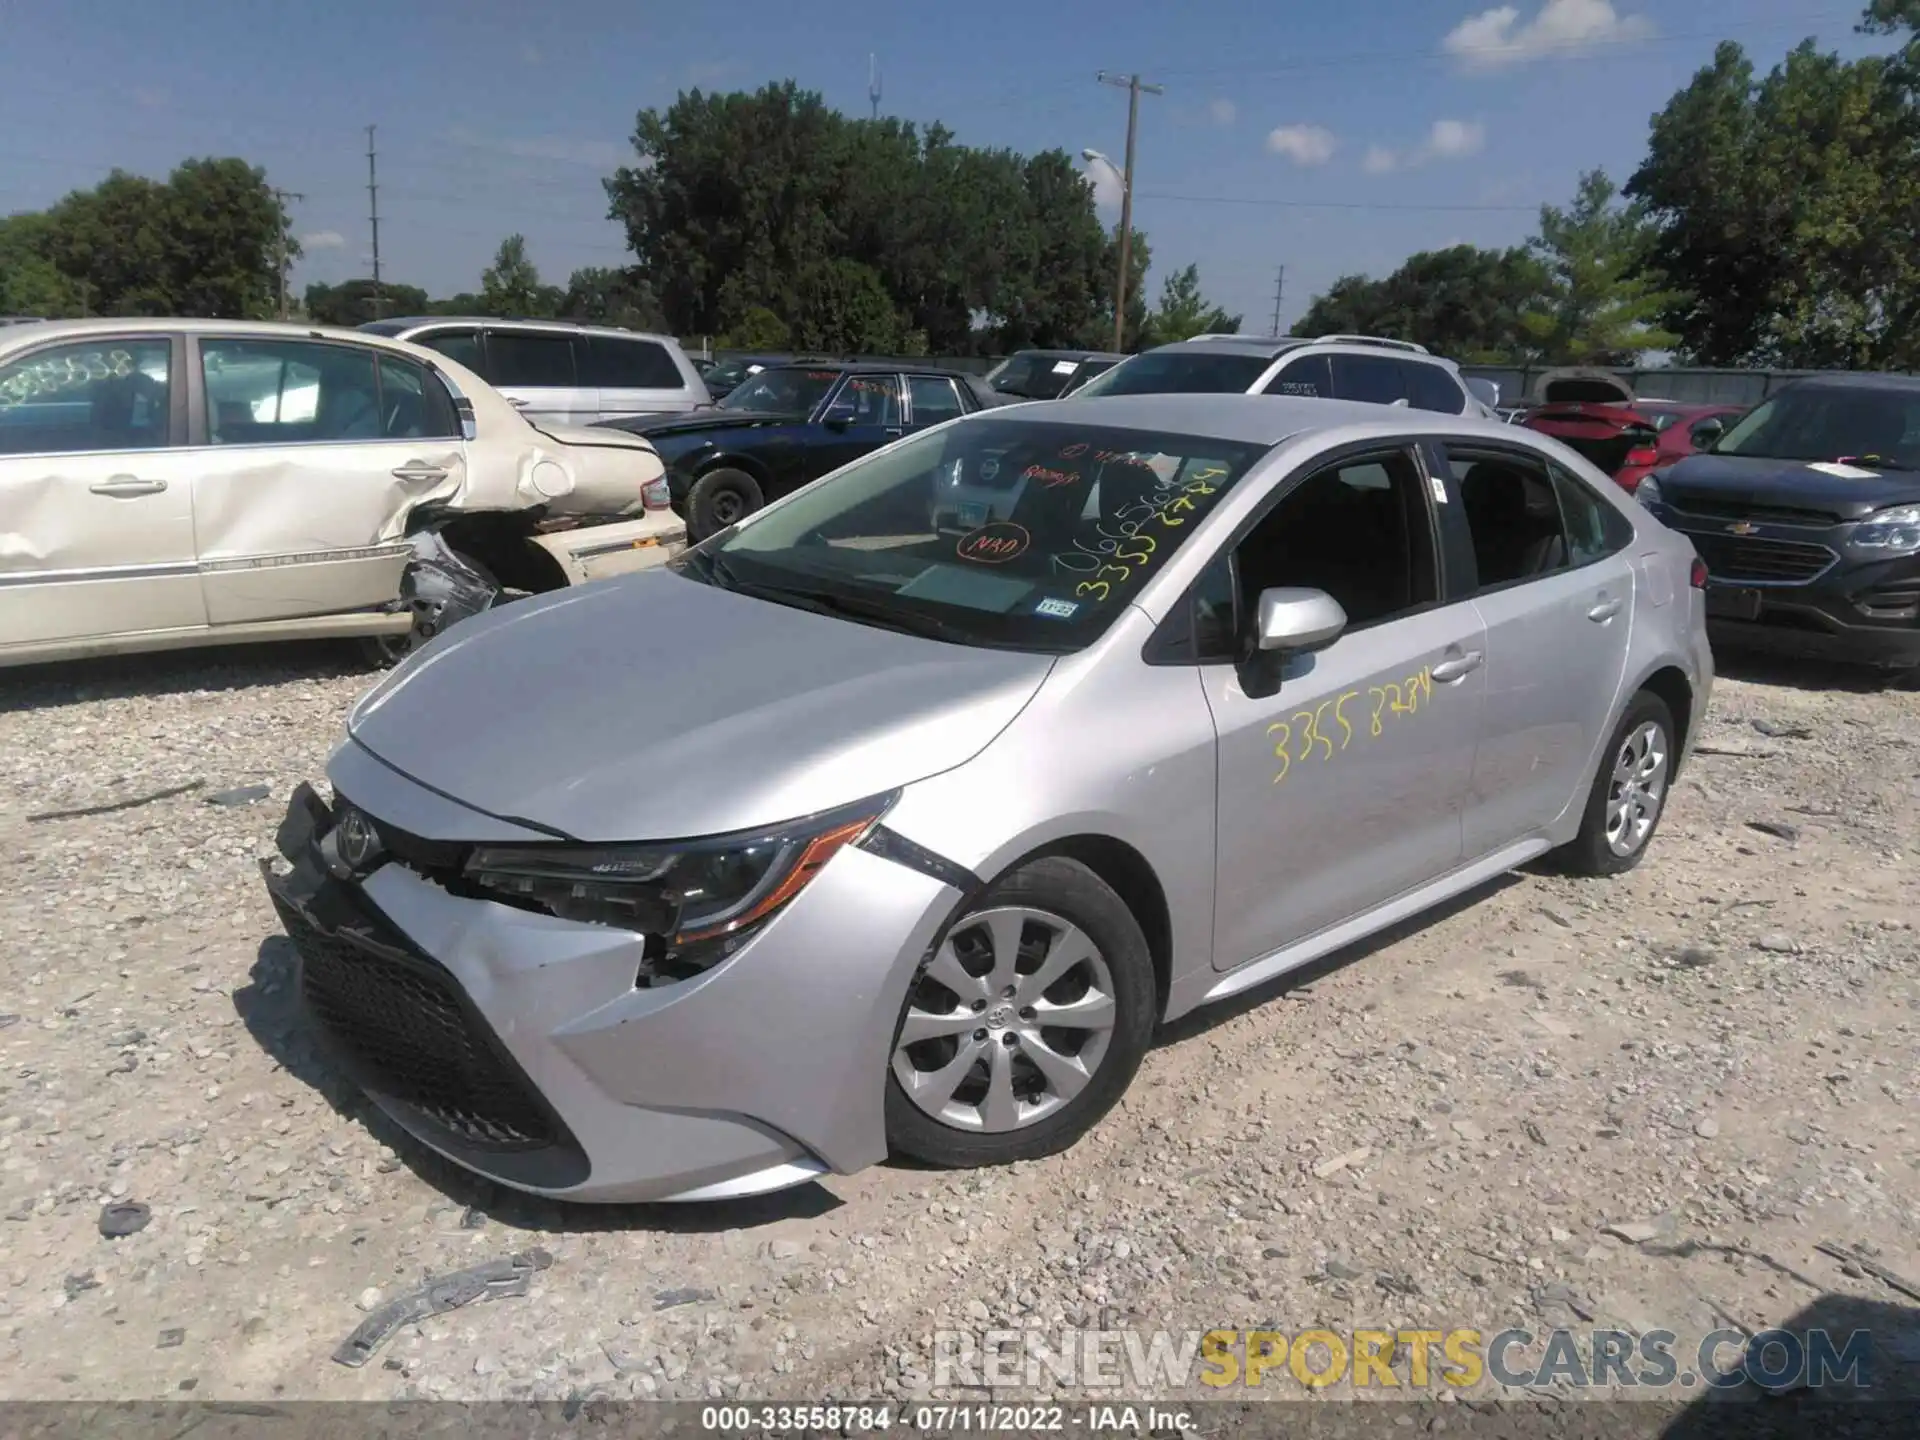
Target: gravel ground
1716, 1054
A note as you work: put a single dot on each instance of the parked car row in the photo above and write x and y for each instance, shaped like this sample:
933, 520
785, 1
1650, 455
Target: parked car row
176, 483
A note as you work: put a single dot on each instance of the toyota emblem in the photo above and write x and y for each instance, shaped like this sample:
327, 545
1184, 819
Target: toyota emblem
359, 841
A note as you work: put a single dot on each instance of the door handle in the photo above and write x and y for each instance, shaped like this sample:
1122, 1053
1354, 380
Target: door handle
517, 404
128, 487
1458, 668
417, 471
1604, 611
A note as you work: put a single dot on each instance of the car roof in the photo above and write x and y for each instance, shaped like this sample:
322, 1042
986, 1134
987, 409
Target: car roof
1854, 380
1250, 419
400, 324
136, 324
1073, 354
1231, 345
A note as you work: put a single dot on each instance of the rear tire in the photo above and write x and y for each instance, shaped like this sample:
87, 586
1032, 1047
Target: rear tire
1051, 968
383, 652
718, 499
1629, 793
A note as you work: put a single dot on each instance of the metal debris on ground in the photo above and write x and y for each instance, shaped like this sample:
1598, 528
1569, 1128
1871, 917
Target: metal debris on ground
114, 805
239, 795
123, 1218
495, 1280
686, 1295
1886, 1277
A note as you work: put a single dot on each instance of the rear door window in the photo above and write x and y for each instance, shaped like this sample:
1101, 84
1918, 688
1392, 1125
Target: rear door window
1374, 379
460, 346
613, 362
1309, 375
1431, 388
530, 358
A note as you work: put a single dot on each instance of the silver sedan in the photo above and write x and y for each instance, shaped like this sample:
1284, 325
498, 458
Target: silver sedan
895, 817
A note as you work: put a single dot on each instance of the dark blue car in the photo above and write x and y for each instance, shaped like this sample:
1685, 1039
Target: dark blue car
791, 424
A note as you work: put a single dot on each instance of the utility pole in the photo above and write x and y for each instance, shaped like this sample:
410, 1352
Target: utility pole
873, 85
1279, 289
373, 214
281, 197
1133, 85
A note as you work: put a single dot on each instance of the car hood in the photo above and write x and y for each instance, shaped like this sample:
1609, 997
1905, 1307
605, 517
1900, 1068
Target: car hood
695, 422
656, 707
594, 437
1771, 484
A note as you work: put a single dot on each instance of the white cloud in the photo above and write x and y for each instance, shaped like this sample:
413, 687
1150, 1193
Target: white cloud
1223, 111
1497, 37
1456, 139
1303, 144
323, 240
1446, 140
1109, 185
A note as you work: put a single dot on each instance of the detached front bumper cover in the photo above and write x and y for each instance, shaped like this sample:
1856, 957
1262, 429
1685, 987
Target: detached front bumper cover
400, 1026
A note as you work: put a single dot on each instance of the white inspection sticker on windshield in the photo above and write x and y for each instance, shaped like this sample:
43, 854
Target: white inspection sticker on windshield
1439, 489
1844, 472
1065, 367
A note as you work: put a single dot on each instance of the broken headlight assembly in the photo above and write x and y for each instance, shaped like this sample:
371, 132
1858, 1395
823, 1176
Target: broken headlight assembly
696, 901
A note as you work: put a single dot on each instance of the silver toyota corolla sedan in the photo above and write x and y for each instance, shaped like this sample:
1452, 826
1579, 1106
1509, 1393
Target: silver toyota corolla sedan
897, 816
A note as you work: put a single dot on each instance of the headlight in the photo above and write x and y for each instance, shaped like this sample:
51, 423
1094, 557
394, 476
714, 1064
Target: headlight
696, 902
1647, 492
1890, 532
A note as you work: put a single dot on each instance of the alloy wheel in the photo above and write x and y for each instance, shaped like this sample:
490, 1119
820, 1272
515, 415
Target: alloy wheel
1638, 788
1007, 1023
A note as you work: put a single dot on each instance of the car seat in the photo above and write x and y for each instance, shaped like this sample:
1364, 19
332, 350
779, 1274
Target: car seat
1515, 523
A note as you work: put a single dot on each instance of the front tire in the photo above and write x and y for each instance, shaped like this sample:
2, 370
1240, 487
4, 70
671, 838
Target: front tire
1027, 1024
1629, 793
718, 499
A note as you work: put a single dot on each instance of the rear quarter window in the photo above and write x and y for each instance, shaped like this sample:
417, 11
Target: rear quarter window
615, 363
1431, 388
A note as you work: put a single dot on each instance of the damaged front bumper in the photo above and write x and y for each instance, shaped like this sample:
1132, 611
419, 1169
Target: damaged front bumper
520, 1046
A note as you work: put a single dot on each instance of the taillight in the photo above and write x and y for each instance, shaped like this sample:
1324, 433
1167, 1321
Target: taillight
1697, 576
655, 495
1646, 457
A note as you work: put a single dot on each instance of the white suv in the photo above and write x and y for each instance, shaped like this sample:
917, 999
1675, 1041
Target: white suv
553, 370
1330, 367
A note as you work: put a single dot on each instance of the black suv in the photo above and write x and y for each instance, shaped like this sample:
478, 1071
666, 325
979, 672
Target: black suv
1807, 514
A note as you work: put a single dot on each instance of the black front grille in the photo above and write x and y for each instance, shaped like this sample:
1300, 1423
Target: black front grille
1716, 508
1745, 557
402, 1027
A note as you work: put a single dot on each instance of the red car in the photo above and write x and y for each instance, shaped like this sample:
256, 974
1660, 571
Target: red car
1595, 413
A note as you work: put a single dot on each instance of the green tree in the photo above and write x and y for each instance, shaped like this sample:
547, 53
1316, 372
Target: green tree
1096, 332
843, 307
204, 242
758, 329
1184, 312
1599, 307
352, 302
30, 283
754, 201
1464, 302
1787, 211
511, 285
598, 295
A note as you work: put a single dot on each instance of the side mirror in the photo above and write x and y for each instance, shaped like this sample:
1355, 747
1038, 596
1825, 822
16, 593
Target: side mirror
840, 415
1295, 619
1707, 432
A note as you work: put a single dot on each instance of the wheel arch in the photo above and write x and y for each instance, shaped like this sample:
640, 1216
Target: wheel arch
1126, 872
1675, 690
734, 460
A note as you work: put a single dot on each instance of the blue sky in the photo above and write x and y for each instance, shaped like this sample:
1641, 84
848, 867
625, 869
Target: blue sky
1325, 137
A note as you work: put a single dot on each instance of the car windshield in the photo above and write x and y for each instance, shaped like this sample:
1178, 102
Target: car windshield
781, 391
1179, 372
1824, 422
993, 532
1033, 377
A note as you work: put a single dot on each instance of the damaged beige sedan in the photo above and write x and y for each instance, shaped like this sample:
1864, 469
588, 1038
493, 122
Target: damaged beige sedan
175, 483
